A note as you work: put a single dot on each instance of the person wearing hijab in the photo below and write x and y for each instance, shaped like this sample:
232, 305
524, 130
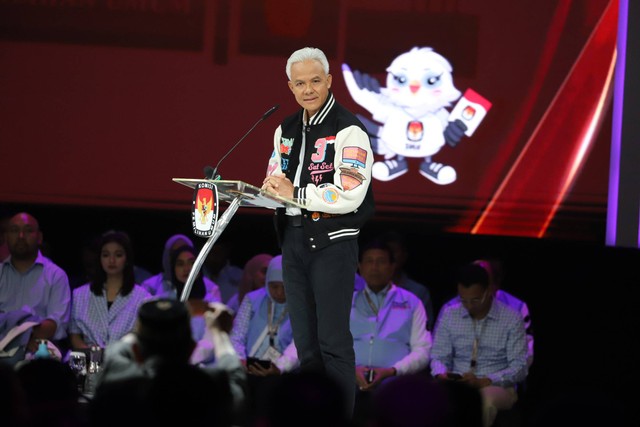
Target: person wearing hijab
161, 285
261, 328
253, 276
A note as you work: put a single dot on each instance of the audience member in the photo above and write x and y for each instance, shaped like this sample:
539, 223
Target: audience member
203, 290
388, 326
496, 275
261, 327
162, 281
218, 267
32, 288
181, 261
90, 254
480, 341
181, 258
494, 268
397, 243
104, 310
160, 346
385, 322
253, 275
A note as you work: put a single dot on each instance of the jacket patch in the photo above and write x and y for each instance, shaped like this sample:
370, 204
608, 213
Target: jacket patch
330, 196
318, 170
355, 156
272, 168
285, 145
350, 178
321, 148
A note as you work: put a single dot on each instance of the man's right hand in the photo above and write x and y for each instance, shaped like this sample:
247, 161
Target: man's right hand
259, 371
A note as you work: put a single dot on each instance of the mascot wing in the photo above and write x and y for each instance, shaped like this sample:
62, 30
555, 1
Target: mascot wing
364, 89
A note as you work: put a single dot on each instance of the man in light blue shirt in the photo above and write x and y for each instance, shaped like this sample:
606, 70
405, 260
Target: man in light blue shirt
481, 341
31, 283
387, 322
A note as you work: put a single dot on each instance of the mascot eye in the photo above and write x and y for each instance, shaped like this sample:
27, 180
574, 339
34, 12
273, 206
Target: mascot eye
433, 81
402, 80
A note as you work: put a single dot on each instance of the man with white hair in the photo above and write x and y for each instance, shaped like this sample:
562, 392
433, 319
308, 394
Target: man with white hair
322, 159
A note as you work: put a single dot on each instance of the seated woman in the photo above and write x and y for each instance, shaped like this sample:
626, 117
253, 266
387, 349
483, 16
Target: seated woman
202, 291
104, 310
261, 328
181, 260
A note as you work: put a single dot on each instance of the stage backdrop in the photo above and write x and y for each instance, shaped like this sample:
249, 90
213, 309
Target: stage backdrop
103, 102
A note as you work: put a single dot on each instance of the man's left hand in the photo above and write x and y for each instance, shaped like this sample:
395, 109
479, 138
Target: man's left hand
278, 184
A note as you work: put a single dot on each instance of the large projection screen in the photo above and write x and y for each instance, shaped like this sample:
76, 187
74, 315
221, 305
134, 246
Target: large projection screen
104, 102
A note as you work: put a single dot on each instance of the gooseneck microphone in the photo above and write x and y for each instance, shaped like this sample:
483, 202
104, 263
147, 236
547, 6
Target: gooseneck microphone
211, 173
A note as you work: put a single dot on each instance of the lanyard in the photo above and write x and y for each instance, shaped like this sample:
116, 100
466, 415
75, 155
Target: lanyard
271, 327
374, 308
476, 343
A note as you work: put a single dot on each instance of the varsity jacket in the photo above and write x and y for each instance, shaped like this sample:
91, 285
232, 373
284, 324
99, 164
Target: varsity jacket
335, 179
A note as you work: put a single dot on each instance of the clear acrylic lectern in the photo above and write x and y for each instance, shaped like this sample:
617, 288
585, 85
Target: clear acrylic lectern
236, 193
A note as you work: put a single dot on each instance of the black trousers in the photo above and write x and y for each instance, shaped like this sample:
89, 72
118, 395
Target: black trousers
319, 289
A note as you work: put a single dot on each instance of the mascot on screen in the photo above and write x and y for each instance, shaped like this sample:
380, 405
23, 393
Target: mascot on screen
412, 112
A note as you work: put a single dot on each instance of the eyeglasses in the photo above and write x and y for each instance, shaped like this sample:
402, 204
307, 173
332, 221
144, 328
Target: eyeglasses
474, 301
24, 230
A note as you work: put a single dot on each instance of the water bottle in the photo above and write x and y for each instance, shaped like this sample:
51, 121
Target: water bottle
95, 359
43, 351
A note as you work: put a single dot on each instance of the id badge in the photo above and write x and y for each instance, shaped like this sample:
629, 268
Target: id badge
272, 354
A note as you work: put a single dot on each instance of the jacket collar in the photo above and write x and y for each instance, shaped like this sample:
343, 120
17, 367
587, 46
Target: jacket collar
319, 117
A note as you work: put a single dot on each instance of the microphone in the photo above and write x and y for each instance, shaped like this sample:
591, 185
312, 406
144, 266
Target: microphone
211, 173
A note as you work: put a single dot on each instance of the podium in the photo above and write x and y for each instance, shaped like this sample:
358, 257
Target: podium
237, 194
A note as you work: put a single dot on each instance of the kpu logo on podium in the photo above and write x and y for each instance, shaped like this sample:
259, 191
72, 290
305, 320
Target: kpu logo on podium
204, 209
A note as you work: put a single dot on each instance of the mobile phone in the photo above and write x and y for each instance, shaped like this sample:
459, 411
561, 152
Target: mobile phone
369, 375
453, 376
266, 364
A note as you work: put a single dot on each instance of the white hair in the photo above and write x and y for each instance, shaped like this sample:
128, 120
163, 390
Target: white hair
304, 54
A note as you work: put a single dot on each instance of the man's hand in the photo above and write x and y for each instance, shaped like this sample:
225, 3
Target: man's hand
376, 375
278, 184
257, 370
44, 331
361, 377
475, 382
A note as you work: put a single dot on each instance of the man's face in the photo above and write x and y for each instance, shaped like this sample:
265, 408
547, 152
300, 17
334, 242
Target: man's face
23, 236
475, 298
376, 268
310, 85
